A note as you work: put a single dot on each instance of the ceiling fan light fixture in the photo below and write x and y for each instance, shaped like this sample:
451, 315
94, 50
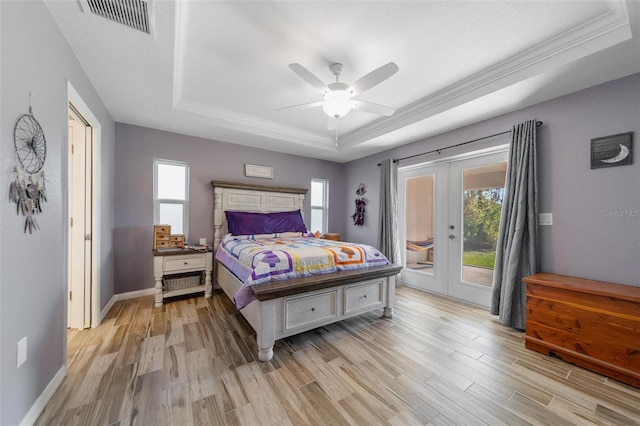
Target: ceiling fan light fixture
337, 103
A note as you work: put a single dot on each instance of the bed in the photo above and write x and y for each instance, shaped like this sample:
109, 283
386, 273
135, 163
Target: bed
287, 307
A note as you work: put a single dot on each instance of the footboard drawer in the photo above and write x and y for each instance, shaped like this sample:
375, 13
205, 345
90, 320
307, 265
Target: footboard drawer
305, 310
363, 297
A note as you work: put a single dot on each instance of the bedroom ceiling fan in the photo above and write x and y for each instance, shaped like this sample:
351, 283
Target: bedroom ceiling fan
338, 97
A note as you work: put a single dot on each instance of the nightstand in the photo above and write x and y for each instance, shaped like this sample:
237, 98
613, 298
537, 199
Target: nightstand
334, 237
170, 262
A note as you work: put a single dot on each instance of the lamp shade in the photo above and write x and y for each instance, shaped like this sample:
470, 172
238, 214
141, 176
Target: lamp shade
336, 103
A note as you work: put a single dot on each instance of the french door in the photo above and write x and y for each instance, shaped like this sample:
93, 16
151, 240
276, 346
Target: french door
449, 219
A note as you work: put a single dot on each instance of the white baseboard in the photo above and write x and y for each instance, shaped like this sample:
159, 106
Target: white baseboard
42, 401
124, 296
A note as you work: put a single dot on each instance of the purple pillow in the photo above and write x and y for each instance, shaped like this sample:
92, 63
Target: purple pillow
251, 223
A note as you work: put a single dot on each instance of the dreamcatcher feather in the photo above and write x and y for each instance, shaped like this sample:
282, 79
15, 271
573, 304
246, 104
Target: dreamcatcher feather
28, 196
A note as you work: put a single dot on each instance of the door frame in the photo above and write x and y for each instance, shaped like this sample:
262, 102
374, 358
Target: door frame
442, 215
74, 98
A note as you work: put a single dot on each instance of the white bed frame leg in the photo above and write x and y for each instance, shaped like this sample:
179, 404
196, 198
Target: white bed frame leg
157, 272
208, 271
265, 334
387, 312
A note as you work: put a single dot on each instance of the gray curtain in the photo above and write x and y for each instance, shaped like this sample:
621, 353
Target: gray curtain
388, 242
517, 246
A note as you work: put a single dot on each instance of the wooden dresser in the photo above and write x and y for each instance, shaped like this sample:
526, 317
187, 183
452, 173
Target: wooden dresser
593, 324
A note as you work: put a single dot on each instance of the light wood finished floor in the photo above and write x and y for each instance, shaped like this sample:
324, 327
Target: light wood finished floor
438, 362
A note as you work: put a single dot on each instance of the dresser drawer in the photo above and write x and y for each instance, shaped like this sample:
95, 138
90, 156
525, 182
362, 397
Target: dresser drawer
307, 310
363, 296
183, 263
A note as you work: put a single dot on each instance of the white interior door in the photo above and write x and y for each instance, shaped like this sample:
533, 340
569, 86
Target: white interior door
80, 223
446, 248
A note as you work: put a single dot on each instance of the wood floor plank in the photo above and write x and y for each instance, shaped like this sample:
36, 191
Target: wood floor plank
175, 366
127, 312
147, 403
96, 380
324, 376
323, 405
116, 402
297, 408
173, 331
178, 405
438, 362
206, 412
202, 376
152, 354
260, 395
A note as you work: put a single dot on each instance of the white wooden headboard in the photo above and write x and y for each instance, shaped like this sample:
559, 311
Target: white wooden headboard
235, 196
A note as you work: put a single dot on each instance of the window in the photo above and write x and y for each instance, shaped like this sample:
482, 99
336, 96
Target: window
319, 205
171, 195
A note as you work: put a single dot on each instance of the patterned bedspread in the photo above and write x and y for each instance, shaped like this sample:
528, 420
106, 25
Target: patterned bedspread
255, 259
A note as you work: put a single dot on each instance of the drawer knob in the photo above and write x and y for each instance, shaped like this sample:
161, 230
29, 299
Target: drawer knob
365, 296
186, 263
313, 309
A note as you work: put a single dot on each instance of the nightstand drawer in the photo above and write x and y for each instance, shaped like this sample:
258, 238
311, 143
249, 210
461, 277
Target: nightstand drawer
183, 263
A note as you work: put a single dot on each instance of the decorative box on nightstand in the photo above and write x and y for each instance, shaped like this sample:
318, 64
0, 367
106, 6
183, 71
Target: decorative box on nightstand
334, 237
172, 264
162, 238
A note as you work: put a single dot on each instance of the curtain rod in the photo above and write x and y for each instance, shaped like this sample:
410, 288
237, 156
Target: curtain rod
396, 160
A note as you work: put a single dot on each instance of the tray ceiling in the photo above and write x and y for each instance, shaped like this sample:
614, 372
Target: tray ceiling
219, 69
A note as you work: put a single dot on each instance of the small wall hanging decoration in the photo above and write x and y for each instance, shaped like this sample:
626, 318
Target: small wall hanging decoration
27, 188
614, 150
361, 202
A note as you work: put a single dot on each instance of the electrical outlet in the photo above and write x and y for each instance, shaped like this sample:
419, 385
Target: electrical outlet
22, 351
545, 219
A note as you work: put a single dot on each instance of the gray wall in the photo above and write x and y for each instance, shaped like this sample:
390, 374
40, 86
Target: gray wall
37, 58
136, 147
591, 236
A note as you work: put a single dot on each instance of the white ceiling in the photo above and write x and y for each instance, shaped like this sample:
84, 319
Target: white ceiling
219, 69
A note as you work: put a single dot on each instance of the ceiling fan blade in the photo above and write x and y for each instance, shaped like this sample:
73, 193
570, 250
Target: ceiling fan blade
332, 123
307, 76
373, 108
374, 78
303, 106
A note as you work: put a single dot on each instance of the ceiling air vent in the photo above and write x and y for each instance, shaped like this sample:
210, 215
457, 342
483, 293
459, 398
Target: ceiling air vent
132, 13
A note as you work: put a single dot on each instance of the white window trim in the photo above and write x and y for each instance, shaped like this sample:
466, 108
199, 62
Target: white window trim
157, 201
325, 201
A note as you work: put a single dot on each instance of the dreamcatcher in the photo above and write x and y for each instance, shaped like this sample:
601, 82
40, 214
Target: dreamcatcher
361, 202
27, 189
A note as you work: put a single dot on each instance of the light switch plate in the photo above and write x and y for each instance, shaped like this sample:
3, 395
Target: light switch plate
545, 219
22, 351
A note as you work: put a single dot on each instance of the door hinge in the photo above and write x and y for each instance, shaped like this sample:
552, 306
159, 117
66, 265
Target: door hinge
87, 237
72, 149
71, 222
70, 295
